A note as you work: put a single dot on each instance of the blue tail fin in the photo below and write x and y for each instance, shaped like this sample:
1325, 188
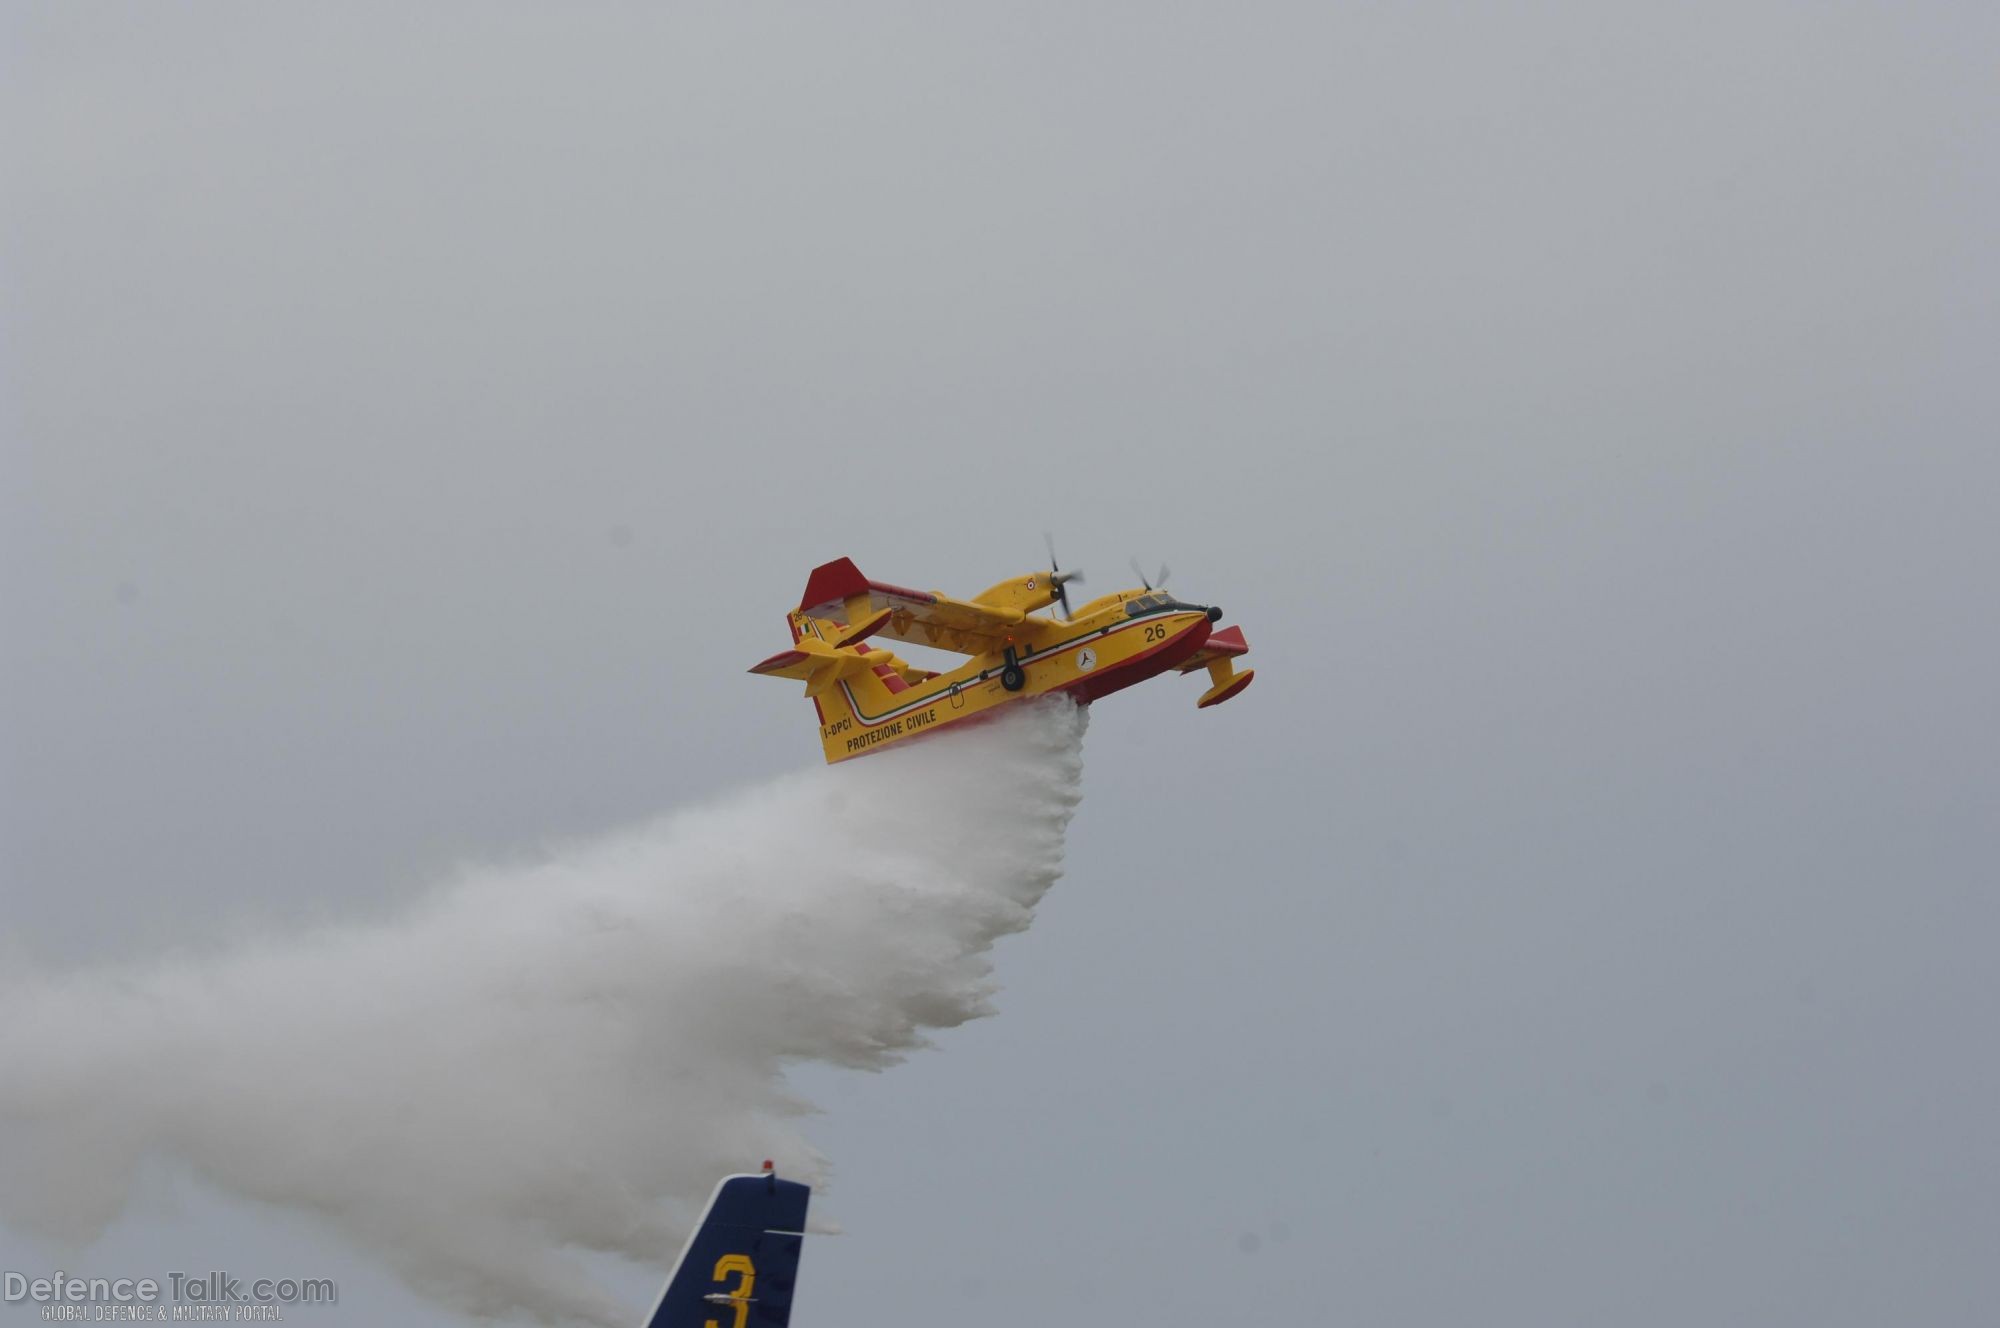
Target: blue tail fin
739, 1267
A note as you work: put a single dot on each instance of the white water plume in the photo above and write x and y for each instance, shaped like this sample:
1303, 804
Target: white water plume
543, 1060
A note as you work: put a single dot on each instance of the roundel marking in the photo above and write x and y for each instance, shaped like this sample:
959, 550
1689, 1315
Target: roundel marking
1086, 659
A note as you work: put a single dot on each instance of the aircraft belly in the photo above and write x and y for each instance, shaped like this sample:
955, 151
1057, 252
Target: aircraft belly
1149, 661
1086, 668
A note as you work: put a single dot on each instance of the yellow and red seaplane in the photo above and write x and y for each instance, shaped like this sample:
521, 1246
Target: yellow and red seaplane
868, 698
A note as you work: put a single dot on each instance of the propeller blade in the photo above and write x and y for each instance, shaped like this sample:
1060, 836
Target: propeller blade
1140, 573
1058, 579
1062, 580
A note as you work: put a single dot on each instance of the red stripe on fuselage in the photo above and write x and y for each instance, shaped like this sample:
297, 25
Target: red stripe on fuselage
1146, 664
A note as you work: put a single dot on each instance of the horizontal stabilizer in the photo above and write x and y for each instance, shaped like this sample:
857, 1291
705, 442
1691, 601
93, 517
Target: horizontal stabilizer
817, 663
785, 664
861, 631
830, 668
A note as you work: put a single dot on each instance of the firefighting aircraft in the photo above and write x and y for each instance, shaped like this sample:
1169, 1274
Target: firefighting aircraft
740, 1265
867, 698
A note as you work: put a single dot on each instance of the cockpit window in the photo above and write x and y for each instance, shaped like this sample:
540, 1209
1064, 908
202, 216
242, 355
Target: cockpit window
1143, 604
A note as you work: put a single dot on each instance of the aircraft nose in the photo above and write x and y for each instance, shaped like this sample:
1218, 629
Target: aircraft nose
1214, 613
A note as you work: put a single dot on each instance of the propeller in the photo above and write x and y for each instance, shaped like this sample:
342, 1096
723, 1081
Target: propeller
1058, 579
1157, 583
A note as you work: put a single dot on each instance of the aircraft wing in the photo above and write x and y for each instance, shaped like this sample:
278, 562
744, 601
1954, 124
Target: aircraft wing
1220, 645
838, 594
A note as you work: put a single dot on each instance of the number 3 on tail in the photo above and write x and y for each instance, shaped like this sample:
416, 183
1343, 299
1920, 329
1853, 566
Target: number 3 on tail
739, 1295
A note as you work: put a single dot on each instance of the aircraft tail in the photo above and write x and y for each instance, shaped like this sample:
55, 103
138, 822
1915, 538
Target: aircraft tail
740, 1266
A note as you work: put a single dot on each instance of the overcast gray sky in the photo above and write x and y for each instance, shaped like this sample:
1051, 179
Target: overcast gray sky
416, 418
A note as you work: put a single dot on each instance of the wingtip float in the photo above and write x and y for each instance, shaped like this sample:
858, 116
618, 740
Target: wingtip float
867, 698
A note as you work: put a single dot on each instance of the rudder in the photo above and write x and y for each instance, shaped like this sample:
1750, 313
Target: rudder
740, 1266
